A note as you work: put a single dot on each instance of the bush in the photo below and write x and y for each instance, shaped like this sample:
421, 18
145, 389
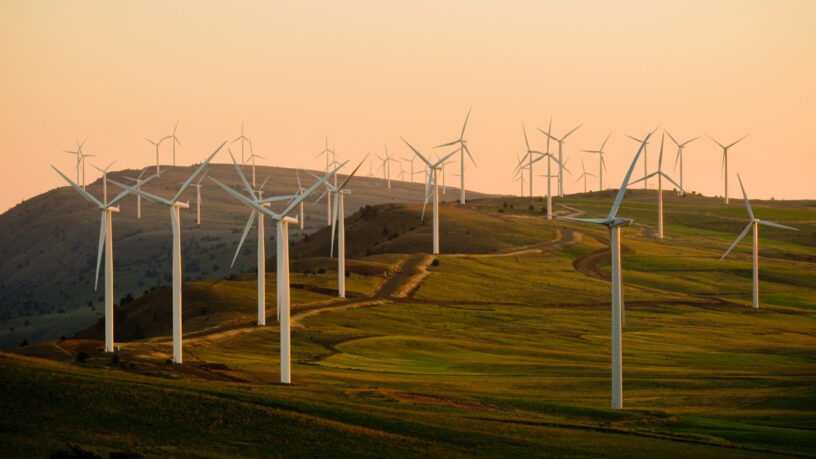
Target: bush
82, 357
435, 262
115, 359
24, 343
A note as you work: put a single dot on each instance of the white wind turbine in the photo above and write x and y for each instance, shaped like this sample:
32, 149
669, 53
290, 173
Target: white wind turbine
175, 221
327, 151
601, 161
138, 182
300, 190
725, 161
560, 155
519, 174
431, 188
660, 176
339, 213
243, 139
282, 257
528, 156
411, 161
106, 243
157, 144
198, 185
680, 147
78, 154
463, 148
645, 159
175, 141
614, 224
550, 157
584, 175
753, 224
386, 166
252, 157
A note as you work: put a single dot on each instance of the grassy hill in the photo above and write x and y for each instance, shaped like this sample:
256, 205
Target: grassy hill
48, 244
498, 346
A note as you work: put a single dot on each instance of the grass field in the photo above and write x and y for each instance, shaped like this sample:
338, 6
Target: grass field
500, 348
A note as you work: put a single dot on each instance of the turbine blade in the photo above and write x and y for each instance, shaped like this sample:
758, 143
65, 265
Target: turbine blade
739, 238
462, 135
241, 175
310, 190
715, 141
102, 230
447, 144
689, 141
144, 194
334, 221
622, 191
526, 142
736, 142
672, 181
247, 227
415, 151
124, 193
605, 140
777, 225
467, 150
601, 221
249, 202
745, 196
672, 138
198, 171
343, 185
570, 132
84, 193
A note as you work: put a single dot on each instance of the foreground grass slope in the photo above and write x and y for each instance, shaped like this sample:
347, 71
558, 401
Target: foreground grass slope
499, 346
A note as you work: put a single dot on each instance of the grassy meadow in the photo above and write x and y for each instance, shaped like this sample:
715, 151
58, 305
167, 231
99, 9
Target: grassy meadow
500, 347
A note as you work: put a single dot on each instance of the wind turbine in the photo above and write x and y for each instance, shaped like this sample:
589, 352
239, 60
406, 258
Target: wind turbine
78, 154
386, 166
411, 161
138, 182
175, 221
614, 224
550, 157
104, 179
432, 188
252, 156
660, 176
282, 257
157, 144
680, 147
300, 190
645, 159
519, 174
462, 150
327, 151
560, 156
602, 163
243, 139
725, 161
339, 213
197, 185
175, 141
584, 175
753, 224
528, 155
106, 243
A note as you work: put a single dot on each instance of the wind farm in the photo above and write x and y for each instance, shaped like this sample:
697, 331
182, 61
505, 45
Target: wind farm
540, 304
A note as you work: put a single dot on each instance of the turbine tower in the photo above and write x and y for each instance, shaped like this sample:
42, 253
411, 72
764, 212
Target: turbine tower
725, 161
78, 154
614, 224
300, 190
463, 148
753, 224
680, 147
386, 166
175, 221
561, 141
601, 162
339, 213
105, 243
550, 157
660, 176
431, 188
282, 257
528, 156
197, 185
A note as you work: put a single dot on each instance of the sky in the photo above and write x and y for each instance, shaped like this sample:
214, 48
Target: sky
365, 73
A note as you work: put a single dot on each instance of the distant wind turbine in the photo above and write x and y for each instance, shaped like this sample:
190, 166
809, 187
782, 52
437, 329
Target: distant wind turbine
78, 154
197, 185
104, 179
561, 141
175, 141
252, 157
463, 148
386, 166
431, 189
725, 161
175, 221
339, 213
138, 182
156, 144
106, 244
680, 147
601, 162
327, 151
584, 175
243, 139
614, 224
660, 176
753, 224
645, 159
282, 257
550, 158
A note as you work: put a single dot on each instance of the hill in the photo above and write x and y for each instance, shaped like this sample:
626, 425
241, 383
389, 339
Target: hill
500, 346
49, 244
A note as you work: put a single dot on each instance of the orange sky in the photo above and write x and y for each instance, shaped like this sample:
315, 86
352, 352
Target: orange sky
367, 72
